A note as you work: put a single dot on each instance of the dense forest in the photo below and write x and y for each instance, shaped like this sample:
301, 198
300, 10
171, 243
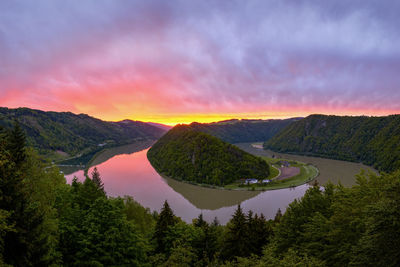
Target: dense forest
184, 153
372, 140
243, 131
46, 222
49, 132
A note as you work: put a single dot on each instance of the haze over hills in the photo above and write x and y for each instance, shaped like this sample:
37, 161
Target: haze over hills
372, 140
70, 133
241, 131
185, 153
160, 125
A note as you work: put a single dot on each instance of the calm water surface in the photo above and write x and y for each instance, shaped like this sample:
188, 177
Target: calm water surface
133, 175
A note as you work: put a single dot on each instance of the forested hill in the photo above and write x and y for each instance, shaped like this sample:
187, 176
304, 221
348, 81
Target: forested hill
372, 140
71, 133
242, 131
186, 153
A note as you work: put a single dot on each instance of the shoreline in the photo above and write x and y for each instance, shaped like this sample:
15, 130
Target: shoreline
282, 184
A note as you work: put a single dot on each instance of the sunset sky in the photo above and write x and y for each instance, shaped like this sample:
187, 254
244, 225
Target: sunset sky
182, 61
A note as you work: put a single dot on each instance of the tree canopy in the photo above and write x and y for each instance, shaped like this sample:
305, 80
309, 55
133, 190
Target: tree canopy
187, 154
374, 141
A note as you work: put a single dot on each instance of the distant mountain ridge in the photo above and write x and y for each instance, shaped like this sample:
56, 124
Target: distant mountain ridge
160, 125
372, 140
243, 131
185, 153
70, 133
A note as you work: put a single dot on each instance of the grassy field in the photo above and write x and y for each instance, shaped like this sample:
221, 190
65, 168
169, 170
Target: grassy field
307, 173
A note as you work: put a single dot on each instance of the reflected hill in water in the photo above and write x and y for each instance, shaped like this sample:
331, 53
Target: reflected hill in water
109, 153
127, 172
121, 150
209, 198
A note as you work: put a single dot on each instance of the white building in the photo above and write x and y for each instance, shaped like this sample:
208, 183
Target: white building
251, 181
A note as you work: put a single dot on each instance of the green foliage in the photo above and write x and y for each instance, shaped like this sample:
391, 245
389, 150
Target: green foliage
246, 235
372, 140
165, 220
27, 195
45, 222
236, 239
107, 238
187, 154
380, 242
97, 180
51, 131
16, 144
140, 216
97, 231
337, 226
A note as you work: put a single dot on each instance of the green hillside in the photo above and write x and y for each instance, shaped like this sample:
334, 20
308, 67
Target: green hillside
242, 131
184, 153
73, 134
372, 140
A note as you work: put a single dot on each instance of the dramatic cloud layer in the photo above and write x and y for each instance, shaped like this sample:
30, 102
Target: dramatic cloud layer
177, 61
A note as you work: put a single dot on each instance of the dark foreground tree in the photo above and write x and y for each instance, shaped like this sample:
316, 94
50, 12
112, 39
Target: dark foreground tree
26, 243
97, 180
16, 144
165, 220
236, 238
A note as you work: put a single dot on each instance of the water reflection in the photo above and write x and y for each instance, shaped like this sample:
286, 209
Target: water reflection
132, 174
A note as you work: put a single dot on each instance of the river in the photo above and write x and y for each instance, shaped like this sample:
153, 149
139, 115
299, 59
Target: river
126, 171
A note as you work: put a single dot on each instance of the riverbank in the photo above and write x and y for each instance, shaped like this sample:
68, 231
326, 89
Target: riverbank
306, 174
330, 170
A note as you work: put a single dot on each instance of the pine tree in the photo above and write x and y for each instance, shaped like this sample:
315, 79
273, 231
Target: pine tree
278, 216
16, 144
200, 222
236, 238
26, 245
260, 233
165, 220
97, 180
88, 193
215, 222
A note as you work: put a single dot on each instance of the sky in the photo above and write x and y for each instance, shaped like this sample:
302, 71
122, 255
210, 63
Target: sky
182, 61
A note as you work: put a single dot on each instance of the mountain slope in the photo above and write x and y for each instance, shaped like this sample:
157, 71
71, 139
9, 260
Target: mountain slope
372, 140
69, 133
184, 153
160, 125
242, 131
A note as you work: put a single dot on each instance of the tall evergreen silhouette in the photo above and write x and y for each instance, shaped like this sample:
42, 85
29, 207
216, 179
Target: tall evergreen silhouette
16, 144
96, 179
165, 220
25, 245
236, 239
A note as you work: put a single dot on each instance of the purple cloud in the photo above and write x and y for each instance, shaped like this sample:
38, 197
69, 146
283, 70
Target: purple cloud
208, 56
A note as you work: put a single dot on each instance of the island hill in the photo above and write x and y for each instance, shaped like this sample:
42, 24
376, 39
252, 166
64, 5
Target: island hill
185, 153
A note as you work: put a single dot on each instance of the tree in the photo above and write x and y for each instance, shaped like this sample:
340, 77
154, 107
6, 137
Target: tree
97, 180
236, 238
27, 244
278, 216
200, 222
16, 144
165, 220
259, 233
107, 238
379, 245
